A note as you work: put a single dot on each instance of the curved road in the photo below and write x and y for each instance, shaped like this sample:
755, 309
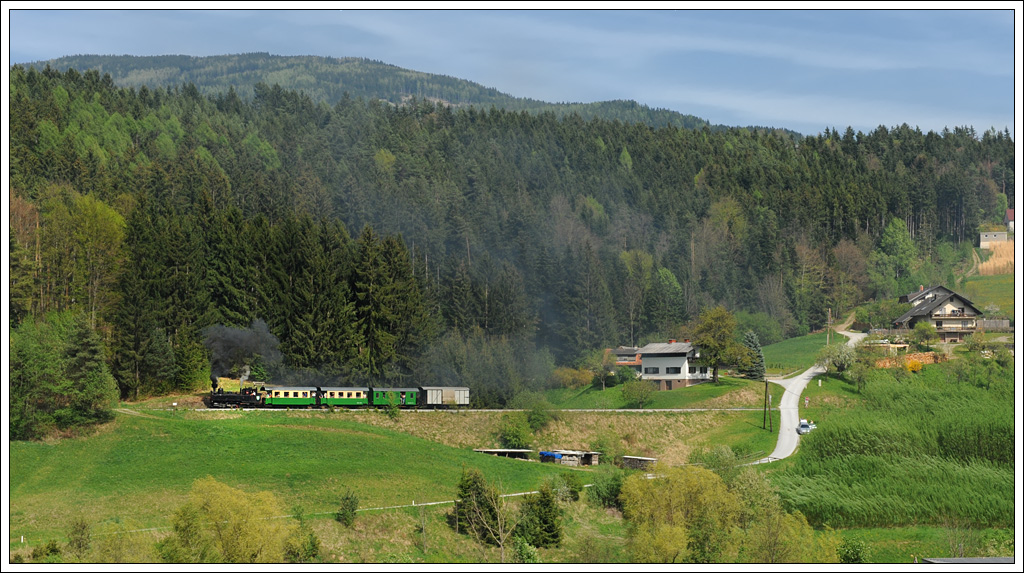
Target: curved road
789, 406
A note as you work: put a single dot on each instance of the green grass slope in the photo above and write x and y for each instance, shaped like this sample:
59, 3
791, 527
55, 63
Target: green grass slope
142, 466
795, 354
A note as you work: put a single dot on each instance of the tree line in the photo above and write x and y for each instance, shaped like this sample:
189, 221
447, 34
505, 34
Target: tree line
490, 245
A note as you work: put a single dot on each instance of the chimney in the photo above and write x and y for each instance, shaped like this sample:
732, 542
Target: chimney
686, 340
671, 340
920, 288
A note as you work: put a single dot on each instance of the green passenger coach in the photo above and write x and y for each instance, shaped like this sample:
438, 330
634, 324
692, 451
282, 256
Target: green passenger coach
350, 397
292, 396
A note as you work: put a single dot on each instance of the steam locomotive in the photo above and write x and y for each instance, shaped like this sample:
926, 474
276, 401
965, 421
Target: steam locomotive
265, 396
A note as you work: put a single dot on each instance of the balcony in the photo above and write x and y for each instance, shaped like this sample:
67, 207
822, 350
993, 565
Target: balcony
971, 328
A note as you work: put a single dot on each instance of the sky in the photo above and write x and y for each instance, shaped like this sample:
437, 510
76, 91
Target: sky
804, 70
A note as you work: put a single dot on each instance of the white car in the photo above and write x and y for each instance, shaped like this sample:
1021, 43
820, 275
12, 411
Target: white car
805, 427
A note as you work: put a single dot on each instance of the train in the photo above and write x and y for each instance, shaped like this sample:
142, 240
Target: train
267, 396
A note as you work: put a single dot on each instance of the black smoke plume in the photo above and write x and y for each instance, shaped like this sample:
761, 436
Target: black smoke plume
235, 347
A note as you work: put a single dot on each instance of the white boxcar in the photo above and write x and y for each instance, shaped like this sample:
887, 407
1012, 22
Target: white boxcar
446, 396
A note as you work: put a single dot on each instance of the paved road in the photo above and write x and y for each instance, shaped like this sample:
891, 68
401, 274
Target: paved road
790, 406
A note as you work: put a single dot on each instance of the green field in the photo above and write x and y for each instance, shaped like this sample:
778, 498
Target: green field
995, 290
142, 466
795, 354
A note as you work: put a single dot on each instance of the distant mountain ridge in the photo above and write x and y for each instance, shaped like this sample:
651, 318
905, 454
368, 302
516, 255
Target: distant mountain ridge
330, 79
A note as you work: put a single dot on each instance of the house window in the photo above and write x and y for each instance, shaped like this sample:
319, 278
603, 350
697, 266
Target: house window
703, 369
693, 370
673, 370
652, 370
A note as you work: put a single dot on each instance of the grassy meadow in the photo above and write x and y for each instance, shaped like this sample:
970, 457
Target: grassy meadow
991, 290
795, 355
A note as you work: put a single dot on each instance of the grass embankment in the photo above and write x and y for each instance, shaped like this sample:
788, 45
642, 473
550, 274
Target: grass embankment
795, 355
920, 449
728, 393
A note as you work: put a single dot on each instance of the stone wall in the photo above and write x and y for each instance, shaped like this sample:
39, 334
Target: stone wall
902, 359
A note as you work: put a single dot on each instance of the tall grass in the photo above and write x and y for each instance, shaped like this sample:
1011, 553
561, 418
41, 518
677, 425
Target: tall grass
923, 449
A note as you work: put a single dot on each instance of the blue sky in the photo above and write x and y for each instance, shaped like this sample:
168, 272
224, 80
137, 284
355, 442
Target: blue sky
800, 69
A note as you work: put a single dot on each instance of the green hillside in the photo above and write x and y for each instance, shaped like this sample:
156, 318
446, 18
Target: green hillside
795, 354
142, 467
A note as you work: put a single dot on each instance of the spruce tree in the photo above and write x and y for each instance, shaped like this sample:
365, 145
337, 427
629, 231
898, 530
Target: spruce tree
755, 368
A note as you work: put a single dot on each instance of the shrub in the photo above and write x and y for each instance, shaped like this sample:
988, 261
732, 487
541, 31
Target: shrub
606, 488
79, 538
346, 514
914, 365
523, 552
515, 431
574, 484
853, 551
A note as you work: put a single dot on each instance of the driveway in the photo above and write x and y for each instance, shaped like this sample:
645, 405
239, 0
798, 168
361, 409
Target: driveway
789, 407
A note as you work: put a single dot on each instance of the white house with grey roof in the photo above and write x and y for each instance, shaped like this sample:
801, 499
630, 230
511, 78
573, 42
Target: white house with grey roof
671, 365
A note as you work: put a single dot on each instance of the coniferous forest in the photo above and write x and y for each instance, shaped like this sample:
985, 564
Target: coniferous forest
415, 243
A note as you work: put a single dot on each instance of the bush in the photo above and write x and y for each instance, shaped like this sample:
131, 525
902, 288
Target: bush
574, 483
346, 514
853, 551
79, 538
606, 488
515, 432
523, 552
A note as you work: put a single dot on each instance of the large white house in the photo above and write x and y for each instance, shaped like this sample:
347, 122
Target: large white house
953, 316
671, 365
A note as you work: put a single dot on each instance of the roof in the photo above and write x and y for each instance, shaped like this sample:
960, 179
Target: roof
666, 348
925, 308
924, 292
625, 351
1009, 214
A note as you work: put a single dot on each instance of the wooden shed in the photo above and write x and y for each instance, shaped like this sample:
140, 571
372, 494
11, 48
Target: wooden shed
570, 457
638, 463
518, 454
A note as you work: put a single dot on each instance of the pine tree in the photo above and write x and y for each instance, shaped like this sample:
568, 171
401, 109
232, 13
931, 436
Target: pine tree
755, 368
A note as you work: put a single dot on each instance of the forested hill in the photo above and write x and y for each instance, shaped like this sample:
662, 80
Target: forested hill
329, 79
451, 246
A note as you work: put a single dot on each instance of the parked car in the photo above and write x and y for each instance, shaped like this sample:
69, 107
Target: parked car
805, 427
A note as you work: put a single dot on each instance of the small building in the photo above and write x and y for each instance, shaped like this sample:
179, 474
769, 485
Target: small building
505, 453
1008, 220
953, 316
570, 457
638, 463
986, 238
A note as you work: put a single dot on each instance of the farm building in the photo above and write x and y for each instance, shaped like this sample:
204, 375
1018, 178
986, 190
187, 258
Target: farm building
638, 463
986, 239
505, 453
570, 457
